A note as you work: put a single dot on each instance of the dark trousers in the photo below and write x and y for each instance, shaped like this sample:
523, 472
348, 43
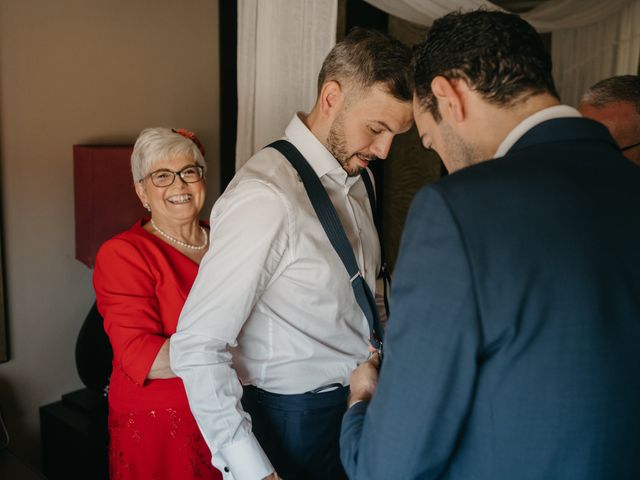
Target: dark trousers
299, 433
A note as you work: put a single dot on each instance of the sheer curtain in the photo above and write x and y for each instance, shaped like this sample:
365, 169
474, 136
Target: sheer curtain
582, 56
549, 16
591, 39
424, 12
281, 46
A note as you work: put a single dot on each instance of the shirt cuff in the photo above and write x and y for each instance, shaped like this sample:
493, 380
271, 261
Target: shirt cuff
243, 460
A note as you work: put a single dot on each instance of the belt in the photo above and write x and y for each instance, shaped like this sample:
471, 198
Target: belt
299, 401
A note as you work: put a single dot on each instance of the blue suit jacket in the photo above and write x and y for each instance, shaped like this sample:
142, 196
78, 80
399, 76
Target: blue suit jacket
513, 349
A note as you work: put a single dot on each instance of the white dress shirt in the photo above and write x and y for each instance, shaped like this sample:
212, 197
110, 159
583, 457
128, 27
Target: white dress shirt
556, 111
273, 288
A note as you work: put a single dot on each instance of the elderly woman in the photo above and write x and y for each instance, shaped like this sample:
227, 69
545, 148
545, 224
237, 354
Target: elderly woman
142, 277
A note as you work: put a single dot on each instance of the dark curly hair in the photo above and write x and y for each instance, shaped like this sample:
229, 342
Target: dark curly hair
368, 57
500, 56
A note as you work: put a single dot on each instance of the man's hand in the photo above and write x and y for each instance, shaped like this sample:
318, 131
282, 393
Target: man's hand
364, 380
273, 476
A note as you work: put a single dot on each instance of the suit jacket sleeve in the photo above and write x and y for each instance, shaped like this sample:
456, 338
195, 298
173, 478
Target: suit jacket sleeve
426, 385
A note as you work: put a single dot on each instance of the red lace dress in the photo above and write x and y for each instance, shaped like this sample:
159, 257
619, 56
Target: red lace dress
141, 284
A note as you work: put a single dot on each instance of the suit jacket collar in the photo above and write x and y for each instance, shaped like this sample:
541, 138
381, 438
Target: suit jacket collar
562, 130
554, 111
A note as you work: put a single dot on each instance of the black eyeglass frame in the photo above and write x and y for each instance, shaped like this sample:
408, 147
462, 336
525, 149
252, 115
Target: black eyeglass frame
179, 173
629, 147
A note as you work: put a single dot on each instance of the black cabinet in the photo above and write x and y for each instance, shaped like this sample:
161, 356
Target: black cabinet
12, 468
75, 440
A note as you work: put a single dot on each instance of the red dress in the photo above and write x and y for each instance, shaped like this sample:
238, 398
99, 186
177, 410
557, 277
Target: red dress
141, 284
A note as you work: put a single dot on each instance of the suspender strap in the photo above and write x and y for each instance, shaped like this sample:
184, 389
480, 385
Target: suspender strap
372, 197
329, 220
384, 272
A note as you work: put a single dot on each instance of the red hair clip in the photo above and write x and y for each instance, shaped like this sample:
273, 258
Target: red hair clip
191, 136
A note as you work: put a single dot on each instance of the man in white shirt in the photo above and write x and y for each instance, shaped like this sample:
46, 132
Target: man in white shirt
512, 348
615, 102
273, 288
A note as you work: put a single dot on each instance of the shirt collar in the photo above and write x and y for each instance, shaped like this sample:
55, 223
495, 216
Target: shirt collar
557, 111
312, 149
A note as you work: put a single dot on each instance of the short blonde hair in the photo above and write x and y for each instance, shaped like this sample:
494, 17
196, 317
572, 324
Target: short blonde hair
160, 143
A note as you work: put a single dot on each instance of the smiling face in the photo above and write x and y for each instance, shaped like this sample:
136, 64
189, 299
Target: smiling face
178, 203
364, 129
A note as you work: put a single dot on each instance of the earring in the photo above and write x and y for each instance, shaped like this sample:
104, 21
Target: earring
146, 205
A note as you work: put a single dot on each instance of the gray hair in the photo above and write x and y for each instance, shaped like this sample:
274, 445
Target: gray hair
368, 57
623, 88
160, 143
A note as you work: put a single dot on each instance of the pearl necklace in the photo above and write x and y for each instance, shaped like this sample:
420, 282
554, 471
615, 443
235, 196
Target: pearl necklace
180, 242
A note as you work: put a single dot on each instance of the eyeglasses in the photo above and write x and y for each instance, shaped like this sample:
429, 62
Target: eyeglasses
624, 149
165, 177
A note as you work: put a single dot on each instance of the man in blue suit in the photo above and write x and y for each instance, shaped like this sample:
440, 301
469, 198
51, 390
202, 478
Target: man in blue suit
513, 348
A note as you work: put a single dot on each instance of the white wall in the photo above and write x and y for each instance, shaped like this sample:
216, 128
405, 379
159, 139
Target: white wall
73, 72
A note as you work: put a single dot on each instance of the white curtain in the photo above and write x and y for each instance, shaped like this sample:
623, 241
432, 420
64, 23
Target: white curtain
591, 39
549, 16
281, 46
424, 12
583, 56
560, 14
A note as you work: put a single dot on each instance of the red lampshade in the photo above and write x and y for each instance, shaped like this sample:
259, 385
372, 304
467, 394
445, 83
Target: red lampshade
105, 199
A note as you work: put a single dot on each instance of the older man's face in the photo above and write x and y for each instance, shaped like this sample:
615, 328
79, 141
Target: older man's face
623, 122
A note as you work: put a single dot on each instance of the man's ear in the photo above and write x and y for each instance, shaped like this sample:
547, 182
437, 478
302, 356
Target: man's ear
331, 98
450, 100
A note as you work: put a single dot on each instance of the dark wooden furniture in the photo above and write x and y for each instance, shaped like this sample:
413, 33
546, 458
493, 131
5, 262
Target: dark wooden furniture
74, 437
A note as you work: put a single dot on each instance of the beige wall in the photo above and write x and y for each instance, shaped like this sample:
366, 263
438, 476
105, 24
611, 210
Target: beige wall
73, 72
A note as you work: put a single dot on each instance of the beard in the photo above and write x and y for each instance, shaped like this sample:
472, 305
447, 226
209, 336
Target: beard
460, 152
337, 146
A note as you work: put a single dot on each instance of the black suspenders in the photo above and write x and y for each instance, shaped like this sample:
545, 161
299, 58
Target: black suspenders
331, 223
